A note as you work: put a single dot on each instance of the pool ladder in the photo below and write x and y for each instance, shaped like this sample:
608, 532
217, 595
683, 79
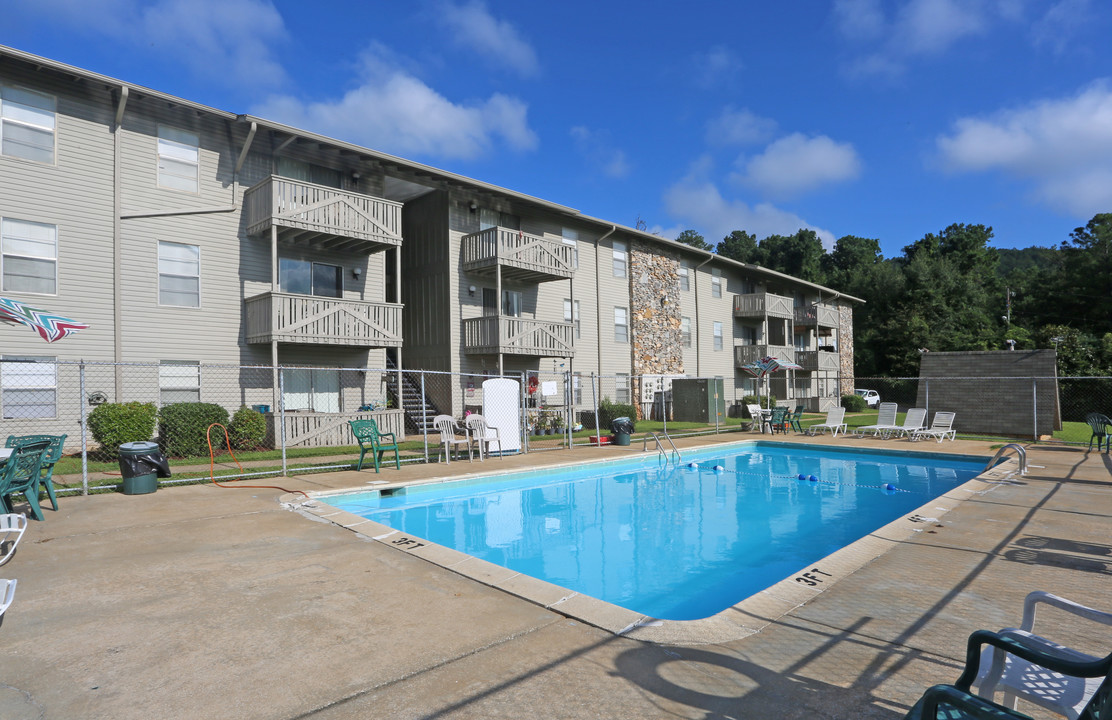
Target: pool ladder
1021, 454
660, 446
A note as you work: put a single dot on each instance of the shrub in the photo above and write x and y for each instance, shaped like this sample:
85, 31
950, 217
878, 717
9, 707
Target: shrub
762, 400
248, 429
607, 411
854, 403
114, 424
182, 428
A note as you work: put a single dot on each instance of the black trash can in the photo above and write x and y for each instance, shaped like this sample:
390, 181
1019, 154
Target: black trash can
141, 464
622, 428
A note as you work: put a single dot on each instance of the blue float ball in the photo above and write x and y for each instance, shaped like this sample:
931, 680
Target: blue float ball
890, 487
693, 466
802, 477
719, 468
812, 478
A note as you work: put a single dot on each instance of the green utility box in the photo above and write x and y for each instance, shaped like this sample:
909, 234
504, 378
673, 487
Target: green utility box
698, 400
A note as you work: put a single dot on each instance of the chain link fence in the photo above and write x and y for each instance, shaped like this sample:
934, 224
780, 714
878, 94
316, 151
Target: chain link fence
288, 420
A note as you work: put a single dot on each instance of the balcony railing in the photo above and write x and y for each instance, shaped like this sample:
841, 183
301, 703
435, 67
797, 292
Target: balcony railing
523, 257
495, 334
817, 315
745, 354
815, 360
763, 305
290, 318
335, 217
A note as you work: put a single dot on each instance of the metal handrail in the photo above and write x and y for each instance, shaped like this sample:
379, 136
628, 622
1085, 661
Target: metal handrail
660, 445
1021, 453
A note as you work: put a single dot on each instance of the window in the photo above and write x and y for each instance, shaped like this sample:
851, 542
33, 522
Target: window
302, 277
179, 381
29, 386
571, 237
621, 258
27, 124
801, 341
313, 389
716, 282
492, 218
307, 172
577, 387
685, 331
179, 274
621, 388
568, 315
621, 325
685, 275
178, 159
748, 335
28, 256
717, 336
511, 303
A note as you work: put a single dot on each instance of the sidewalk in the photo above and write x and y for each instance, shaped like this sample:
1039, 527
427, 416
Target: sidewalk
198, 601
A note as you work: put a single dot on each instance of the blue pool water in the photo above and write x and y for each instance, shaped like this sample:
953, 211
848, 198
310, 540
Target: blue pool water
672, 542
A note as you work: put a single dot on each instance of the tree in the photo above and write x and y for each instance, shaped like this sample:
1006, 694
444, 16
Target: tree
1084, 286
798, 255
851, 263
742, 247
694, 239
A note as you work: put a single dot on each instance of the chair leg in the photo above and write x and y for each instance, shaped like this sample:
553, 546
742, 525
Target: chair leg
378, 458
33, 501
359, 465
50, 493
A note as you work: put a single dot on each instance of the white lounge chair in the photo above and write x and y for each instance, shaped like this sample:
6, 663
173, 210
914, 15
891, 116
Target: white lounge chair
835, 419
885, 421
912, 421
446, 425
12, 527
942, 426
483, 435
7, 594
1000, 671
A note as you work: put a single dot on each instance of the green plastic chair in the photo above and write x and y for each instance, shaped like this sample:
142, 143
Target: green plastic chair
1100, 425
796, 417
957, 701
52, 455
369, 438
21, 474
779, 420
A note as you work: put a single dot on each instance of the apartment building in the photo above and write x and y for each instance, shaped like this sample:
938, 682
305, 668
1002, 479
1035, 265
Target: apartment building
186, 235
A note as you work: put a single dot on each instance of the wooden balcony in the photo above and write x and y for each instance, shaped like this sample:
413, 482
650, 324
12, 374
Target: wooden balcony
322, 217
522, 257
816, 360
313, 320
763, 305
745, 354
817, 316
495, 334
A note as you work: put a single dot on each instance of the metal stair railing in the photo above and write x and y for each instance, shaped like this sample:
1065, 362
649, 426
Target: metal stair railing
1021, 454
675, 454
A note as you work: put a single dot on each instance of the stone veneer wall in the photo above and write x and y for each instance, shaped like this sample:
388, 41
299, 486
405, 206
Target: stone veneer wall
845, 349
655, 325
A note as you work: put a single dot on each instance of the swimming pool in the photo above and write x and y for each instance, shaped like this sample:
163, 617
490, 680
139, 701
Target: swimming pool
667, 540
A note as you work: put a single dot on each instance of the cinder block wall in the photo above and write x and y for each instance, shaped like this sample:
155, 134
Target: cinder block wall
993, 392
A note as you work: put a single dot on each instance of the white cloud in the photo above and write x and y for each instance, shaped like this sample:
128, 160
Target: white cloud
739, 127
471, 25
859, 19
932, 26
597, 147
697, 202
715, 66
1063, 146
394, 111
1058, 27
797, 163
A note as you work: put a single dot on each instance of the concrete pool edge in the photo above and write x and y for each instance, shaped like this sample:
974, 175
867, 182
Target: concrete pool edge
743, 619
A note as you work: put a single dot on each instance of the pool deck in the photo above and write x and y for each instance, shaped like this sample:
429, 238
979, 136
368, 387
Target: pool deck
200, 601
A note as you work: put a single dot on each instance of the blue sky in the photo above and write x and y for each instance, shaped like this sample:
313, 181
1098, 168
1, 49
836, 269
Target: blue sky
879, 118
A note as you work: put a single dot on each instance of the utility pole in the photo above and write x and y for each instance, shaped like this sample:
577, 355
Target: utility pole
1008, 295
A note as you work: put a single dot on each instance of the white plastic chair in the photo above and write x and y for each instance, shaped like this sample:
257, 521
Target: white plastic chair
446, 424
12, 527
7, 594
483, 435
885, 421
760, 417
1017, 678
835, 419
942, 426
912, 421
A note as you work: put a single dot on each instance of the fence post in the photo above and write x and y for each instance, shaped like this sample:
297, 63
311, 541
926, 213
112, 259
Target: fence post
84, 432
927, 398
1035, 406
282, 416
594, 401
524, 414
568, 413
663, 404
424, 417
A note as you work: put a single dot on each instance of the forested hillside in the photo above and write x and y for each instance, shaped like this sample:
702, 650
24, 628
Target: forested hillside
951, 291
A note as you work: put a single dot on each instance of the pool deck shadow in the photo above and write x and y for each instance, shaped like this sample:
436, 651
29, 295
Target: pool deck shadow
201, 601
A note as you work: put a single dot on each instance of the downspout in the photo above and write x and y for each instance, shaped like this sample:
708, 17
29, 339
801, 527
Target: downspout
698, 323
117, 248
598, 303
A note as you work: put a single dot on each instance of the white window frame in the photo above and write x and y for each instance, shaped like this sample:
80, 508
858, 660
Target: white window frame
621, 325
568, 315
570, 237
9, 239
622, 388
179, 159
338, 271
685, 331
179, 267
685, 275
312, 389
716, 282
717, 334
30, 116
180, 377
513, 303
621, 259
15, 379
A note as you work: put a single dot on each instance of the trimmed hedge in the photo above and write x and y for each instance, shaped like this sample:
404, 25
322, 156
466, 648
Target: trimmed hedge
248, 429
607, 411
762, 400
113, 424
854, 403
182, 428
